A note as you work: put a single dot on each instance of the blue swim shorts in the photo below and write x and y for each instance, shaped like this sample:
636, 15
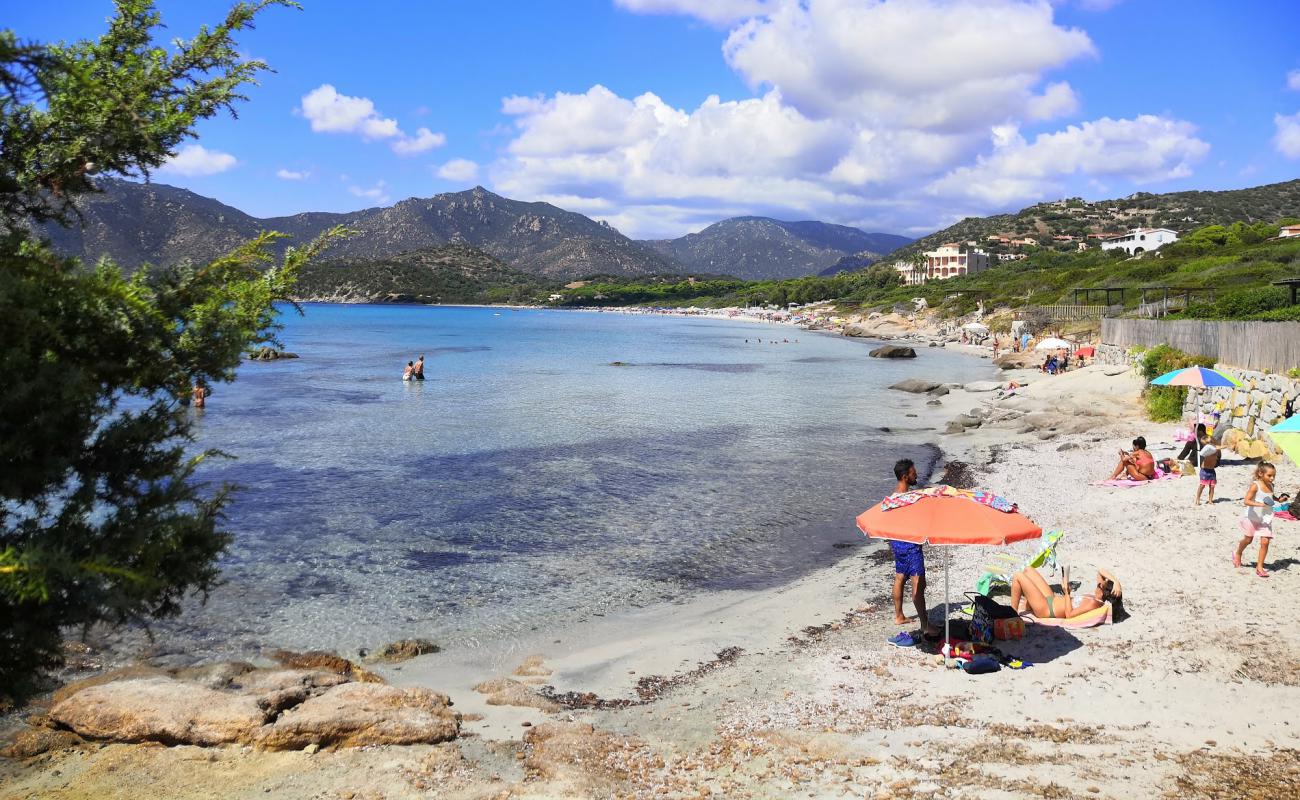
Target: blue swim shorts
909, 560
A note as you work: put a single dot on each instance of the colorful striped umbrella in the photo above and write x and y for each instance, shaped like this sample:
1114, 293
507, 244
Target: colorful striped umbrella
1286, 435
1195, 377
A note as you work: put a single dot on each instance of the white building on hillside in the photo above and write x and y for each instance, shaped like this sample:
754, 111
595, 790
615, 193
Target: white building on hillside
950, 260
1288, 231
912, 274
1140, 240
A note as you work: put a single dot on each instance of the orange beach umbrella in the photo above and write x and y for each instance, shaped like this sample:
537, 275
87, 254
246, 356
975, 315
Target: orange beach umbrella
942, 515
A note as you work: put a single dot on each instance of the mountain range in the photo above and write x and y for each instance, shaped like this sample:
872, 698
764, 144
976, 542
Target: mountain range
137, 223
761, 247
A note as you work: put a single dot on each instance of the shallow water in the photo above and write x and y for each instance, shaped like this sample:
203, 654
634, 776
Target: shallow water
528, 484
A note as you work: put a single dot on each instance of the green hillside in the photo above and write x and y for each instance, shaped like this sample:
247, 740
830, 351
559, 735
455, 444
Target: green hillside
454, 273
1239, 261
1077, 218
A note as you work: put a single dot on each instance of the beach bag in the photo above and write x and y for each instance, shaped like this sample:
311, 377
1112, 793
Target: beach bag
988, 617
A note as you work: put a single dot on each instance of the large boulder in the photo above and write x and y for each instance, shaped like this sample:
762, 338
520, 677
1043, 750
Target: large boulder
892, 351
917, 386
361, 714
160, 710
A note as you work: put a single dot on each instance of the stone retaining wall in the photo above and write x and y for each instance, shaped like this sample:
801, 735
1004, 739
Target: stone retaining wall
1245, 414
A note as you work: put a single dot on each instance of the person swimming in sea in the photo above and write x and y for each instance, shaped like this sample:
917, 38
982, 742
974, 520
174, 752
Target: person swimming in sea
418, 374
409, 371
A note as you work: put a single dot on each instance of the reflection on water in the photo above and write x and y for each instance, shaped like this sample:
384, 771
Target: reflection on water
527, 483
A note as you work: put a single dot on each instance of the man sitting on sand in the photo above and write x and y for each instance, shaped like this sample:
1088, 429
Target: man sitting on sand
909, 560
1138, 465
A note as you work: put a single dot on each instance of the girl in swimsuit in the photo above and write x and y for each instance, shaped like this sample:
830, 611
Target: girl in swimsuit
1044, 603
1138, 465
1258, 521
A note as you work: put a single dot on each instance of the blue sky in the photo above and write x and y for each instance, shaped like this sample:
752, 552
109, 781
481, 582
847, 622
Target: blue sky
662, 116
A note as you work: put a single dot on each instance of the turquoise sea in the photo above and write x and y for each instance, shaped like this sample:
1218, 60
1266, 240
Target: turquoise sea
528, 484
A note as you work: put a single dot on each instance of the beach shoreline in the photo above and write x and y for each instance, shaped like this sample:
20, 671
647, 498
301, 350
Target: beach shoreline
796, 686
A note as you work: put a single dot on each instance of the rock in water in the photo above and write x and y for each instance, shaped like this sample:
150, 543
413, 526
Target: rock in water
983, 386
361, 714
916, 385
404, 650
160, 710
893, 351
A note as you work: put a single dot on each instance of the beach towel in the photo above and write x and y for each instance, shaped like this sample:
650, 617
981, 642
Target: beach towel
1286, 515
1097, 616
983, 498
1128, 483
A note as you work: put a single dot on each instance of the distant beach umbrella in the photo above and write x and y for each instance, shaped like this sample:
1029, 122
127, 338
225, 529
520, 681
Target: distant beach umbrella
978, 327
942, 515
1087, 351
1053, 343
1286, 435
1195, 377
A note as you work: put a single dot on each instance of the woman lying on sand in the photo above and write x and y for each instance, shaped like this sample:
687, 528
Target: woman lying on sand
1046, 604
1138, 465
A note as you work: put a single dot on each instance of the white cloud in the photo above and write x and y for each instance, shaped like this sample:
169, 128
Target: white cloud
423, 140
378, 193
1142, 150
1293, 80
1287, 138
460, 170
194, 160
895, 115
940, 64
331, 112
292, 175
714, 11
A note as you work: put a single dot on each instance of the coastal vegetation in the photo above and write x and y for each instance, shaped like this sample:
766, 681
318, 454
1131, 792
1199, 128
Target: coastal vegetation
1238, 261
1165, 403
102, 518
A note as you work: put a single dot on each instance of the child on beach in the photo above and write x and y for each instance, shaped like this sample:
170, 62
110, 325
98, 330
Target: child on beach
1258, 521
1209, 459
909, 561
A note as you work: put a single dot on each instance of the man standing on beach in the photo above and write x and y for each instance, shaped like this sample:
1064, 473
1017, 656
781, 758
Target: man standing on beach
909, 560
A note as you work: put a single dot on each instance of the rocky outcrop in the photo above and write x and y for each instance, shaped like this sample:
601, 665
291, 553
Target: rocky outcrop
270, 354
893, 351
161, 710
362, 714
318, 699
917, 385
983, 386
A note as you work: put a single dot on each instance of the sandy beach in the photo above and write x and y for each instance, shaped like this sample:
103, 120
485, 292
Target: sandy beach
794, 691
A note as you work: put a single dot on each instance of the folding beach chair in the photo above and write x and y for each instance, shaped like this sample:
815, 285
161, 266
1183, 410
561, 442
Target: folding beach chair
1003, 565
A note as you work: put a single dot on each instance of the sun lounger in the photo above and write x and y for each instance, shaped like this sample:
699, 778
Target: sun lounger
1003, 565
1098, 616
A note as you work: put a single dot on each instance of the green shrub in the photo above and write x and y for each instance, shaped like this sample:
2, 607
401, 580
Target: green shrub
1165, 403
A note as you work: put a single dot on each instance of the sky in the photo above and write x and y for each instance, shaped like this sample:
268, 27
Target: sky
663, 116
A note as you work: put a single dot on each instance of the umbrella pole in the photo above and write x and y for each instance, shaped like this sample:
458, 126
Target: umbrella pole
947, 647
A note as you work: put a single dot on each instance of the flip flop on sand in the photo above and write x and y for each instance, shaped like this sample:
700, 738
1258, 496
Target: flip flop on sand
1261, 573
903, 639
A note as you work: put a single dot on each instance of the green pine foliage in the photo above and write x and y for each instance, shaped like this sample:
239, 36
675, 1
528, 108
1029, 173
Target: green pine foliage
102, 519
1165, 403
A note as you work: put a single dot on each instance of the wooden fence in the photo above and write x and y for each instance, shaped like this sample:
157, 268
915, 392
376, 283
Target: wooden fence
1272, 346
1067, 313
